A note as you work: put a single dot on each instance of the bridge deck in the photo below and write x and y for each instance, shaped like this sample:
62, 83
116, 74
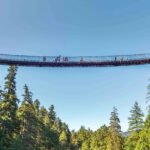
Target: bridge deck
80, 61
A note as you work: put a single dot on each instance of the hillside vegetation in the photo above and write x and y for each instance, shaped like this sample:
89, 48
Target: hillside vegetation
26, 125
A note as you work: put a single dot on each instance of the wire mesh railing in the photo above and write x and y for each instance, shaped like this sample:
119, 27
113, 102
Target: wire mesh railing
58, 59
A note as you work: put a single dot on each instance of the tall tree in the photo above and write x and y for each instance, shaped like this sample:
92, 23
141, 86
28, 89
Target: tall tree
114, 140
99, 139
115, 121
37, 106
136, 120
28, 120
27, 96
74, 141
52, 114
135, 125
131, 141
8, 107
57, 125
64, 137
49, 138
144, 137
63, 140
148, 97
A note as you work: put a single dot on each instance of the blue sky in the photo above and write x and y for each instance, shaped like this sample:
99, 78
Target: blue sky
82, 96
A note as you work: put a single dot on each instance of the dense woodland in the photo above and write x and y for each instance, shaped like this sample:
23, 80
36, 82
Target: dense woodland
26, 125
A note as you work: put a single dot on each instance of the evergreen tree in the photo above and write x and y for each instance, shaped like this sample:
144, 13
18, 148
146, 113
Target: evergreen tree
37, 106
64, 137
147, 122
83, 134
74, 141
1, 121
52, 114
99, 139
63, 140
136, 119
28, 121
8, 107
86, 145
115, 121
132, 140
135, 125
43, 112
148, 97
27, 96
57, 125
80, 139
114, 139
1, 94
144, 136
144, 140
32, 127
49, 137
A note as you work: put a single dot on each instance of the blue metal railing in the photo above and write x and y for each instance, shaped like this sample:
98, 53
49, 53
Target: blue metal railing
114, 60
75, 58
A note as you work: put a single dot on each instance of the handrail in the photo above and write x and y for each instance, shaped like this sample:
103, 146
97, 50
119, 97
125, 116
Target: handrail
112, 60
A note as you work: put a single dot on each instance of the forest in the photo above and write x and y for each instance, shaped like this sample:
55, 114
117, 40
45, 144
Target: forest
26, 125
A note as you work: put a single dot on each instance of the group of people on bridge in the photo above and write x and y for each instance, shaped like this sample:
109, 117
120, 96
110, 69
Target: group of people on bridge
60, 59
81, 59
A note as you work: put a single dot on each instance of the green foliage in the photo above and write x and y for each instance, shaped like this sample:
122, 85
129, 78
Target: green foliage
29, 126
52, 114
115, 121
147, 122
85, 145
83, 134
136, 120
74, 141
114, 139
144, 136
148, 97
8, 108
27, 119
63, 139
135, 125
144, 140
98, 139
132, 140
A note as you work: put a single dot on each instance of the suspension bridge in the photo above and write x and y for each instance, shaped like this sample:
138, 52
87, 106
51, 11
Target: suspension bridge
77, 61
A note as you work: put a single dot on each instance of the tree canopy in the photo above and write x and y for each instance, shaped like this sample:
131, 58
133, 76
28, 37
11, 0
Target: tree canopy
26, 125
